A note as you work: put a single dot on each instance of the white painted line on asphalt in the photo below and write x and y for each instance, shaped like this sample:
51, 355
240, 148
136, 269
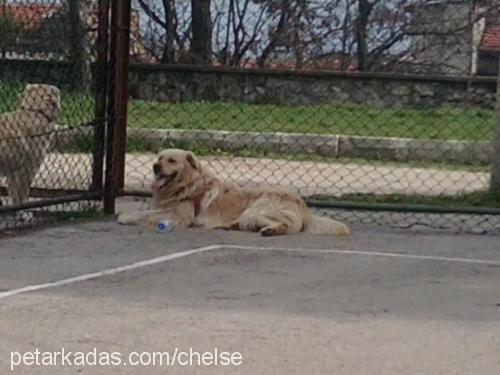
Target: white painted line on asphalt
106, 272
186, 253
370, 253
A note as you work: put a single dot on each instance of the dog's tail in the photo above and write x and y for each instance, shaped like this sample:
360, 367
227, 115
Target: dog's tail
325, 225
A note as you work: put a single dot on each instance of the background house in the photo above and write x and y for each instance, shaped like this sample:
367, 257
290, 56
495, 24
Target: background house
41, 31
489, 51
455, 36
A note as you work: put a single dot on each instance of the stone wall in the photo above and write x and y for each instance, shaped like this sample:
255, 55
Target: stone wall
51, 72
183, 83
168, 83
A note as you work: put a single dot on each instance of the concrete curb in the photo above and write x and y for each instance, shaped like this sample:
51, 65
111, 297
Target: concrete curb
334, 146
396, 149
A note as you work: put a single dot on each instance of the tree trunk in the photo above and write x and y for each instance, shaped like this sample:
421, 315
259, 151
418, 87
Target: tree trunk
364, 10
201, 44
79, 49
277, 36
168, 56
495, 164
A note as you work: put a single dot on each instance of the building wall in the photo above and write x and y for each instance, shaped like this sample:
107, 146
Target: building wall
442, 37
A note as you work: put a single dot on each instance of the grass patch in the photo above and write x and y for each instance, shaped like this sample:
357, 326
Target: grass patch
77, 108
475, 199
445, 123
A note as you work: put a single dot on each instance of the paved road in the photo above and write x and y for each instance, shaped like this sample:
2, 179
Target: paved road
73, 171
380, 302
335, 179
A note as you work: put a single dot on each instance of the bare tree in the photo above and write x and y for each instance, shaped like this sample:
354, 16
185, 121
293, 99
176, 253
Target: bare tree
285, 34
167, 21
379, 27
242, 31
79, 48
201, 24
314, 30
370, 34
364, 10
169, 51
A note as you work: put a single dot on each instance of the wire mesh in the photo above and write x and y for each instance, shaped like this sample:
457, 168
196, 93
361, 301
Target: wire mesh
361, 101
48, 153
356, 101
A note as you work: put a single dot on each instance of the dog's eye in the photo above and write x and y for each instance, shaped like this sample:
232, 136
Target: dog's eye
171, 161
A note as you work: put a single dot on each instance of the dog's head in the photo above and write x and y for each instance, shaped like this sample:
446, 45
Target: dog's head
45, 99
174, 170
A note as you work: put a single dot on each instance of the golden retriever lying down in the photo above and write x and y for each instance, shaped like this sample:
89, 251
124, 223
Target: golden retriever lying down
190, 195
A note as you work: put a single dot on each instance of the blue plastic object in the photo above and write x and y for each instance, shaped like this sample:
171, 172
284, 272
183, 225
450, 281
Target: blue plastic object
165, 226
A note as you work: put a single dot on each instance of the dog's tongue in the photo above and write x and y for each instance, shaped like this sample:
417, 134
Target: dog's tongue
158, 183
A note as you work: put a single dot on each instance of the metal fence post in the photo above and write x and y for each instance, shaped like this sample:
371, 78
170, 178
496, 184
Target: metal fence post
117, 103
495, 161
121, 89
109, 181
101, 91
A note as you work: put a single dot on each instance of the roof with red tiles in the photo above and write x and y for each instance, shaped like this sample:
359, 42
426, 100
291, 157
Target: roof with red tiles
491, 39
31, 16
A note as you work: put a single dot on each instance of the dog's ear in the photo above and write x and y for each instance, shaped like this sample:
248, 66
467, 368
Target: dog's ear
191, 159
21, 96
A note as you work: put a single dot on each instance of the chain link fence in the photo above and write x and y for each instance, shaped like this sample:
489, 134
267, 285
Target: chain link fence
374, 111
384, 112
51, 137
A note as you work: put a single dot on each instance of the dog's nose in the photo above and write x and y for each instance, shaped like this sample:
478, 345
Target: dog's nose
156, 168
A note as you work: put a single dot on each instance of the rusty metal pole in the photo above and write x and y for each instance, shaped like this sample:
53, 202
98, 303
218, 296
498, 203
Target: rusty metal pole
116, 137
495, 161
121, 89
109, 180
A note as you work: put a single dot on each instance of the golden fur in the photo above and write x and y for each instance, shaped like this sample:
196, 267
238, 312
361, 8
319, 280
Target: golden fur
26, 136
190, 195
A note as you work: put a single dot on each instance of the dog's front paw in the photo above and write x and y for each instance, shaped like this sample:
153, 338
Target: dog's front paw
341, 229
